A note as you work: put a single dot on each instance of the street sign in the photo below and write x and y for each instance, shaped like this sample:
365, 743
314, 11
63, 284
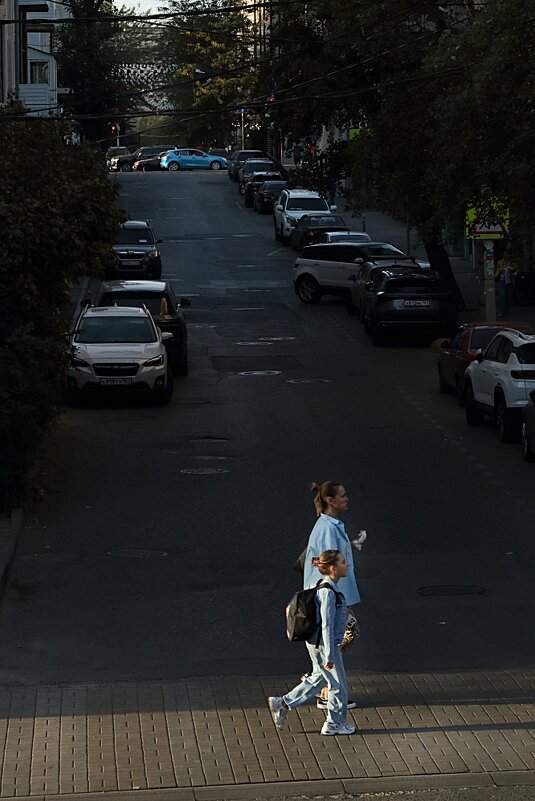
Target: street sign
488, 221
242, 110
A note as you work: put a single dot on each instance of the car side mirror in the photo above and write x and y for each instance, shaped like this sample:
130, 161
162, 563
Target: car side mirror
445, 343
368, 285
333, 208
360, 260
478, 356
85, 302
159, 241
166, 335
184, 302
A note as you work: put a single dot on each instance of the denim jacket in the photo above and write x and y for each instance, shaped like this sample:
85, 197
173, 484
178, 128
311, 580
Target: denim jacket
333, 620
329, 534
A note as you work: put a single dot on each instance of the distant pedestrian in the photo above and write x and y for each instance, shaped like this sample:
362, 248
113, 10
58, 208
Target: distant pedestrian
324, 651
297, 153
504, 278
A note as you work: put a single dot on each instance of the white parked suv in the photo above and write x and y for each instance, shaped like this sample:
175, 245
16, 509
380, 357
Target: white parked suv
499, 381
290, 207
118, 348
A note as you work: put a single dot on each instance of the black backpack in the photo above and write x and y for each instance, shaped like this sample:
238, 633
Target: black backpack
302, 617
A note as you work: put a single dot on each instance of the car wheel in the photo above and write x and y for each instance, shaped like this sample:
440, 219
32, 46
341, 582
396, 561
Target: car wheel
443, 387
506, 420
241, 189
307, 289
378, 336
181, 367
125, 168
474, 416
165, 395
527, 453
215, 165
174, 166
459, 386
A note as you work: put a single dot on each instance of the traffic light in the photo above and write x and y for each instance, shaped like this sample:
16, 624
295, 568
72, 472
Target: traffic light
269, 106
114, 128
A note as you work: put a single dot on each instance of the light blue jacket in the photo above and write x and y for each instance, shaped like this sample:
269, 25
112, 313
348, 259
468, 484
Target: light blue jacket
329, 534
333, 620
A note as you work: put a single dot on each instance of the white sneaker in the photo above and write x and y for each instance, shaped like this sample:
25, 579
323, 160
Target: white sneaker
322, 703
278, 711
337, 728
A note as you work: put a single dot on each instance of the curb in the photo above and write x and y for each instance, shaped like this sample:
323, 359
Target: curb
10, 528
308, 789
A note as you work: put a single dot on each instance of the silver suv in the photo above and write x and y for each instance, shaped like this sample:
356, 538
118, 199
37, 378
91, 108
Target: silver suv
498, 383
290, 207
118, 348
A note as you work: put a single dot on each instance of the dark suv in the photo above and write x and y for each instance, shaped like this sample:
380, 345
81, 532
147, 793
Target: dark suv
407, 299
238, 159
124, 163
136, 252
166, 310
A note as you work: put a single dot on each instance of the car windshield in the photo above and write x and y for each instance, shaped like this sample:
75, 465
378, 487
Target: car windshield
349, 237
322, 222
307, 204
412, 281
481, 337
275, 186
158, 303
131, 330
373, 251
257, 166
526, 353
135, 236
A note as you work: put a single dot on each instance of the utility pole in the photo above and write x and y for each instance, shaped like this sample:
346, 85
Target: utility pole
488, 279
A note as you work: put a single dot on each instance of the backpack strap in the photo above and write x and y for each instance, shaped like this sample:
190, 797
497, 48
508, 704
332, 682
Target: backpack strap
320, 586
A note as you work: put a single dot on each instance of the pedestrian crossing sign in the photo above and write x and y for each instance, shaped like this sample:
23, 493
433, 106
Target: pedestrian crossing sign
490, 220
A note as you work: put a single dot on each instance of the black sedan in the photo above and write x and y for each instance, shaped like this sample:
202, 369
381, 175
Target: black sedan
404, 299
266, 195
166, 310
310, 228
151, 164
255, 183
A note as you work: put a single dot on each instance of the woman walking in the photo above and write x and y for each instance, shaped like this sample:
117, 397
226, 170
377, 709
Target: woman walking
324, 651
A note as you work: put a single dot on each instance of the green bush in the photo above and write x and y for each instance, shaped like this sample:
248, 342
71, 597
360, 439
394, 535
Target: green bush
58, 221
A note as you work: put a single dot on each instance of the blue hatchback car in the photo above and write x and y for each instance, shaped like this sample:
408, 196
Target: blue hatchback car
187, 158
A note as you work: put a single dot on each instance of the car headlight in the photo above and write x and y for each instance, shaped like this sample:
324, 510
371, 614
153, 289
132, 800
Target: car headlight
156, 362
77, 362
290, 219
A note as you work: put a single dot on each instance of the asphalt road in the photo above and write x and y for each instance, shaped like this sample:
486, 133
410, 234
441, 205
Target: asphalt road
163, 547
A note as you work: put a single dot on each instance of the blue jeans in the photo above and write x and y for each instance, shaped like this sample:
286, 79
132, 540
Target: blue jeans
504, 296
320, 677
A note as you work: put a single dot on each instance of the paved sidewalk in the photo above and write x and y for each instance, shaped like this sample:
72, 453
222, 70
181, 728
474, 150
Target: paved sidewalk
215, 739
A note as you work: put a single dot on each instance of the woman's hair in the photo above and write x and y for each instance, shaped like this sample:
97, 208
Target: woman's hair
325, 561
323, 491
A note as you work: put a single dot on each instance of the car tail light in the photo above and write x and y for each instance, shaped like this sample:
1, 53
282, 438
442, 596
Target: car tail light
525, 374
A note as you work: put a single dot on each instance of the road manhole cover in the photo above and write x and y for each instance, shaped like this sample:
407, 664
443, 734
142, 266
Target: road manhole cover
209, 438
275, 339
451, 589
54, 557
308, 381
203, 471
260, 372
137, 553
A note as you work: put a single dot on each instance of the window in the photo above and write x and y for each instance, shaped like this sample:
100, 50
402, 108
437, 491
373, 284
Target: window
526, 354
318, 252
505, 350
481, 337
115, 329
158, 304
457, 343
307, 204
133, 236
38, 71
492, 351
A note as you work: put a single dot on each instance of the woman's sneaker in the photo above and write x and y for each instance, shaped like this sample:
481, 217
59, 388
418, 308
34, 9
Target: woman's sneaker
278, 711
337, 728
321, 703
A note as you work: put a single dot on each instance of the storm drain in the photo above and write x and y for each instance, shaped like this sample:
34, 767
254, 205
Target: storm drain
451, 589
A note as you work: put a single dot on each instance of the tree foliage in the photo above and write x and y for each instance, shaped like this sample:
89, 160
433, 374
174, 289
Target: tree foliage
58, 222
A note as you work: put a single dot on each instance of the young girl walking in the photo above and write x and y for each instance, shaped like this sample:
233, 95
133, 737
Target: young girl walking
325, 655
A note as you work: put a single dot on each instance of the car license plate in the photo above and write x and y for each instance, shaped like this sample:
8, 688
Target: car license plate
130, 262
114, 382
416, 303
